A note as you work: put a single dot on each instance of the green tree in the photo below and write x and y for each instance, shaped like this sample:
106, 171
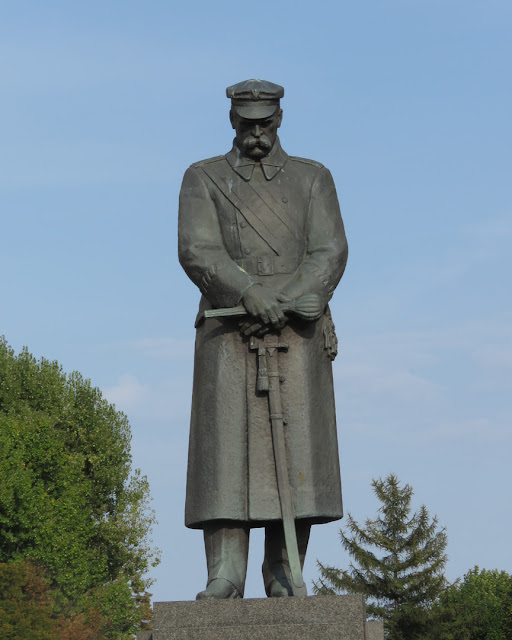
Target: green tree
28, 608
397, 562
478, 607
26, 604
68, 495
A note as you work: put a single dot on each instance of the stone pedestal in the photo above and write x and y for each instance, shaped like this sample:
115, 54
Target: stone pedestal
322, 617
374, 630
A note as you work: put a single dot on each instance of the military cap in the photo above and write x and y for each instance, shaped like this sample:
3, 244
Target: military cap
255, 99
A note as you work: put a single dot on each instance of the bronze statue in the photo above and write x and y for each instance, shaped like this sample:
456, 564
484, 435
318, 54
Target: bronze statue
261, 235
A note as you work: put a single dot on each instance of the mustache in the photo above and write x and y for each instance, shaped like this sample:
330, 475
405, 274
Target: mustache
263, 141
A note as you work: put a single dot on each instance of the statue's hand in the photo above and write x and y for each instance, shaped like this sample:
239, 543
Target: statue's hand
263, 305
252, 328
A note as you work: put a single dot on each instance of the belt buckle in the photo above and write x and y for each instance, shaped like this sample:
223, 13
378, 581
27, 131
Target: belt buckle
265, 266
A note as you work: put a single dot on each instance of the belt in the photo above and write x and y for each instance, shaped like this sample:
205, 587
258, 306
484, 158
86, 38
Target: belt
268, 265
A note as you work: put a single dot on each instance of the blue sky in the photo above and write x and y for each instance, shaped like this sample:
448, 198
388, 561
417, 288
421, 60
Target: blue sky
408, 102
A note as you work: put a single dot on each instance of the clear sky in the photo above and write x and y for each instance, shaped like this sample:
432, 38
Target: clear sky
105, 104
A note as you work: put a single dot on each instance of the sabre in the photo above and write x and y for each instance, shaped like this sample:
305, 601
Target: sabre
269, 380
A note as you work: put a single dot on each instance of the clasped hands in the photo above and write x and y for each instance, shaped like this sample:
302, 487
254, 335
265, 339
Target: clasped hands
263, 307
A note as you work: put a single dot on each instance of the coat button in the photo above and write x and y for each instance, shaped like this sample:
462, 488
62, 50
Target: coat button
247, 251
243, 224
285, 199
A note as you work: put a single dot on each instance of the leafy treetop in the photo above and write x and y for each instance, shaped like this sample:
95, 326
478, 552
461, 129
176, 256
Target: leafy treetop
68, 496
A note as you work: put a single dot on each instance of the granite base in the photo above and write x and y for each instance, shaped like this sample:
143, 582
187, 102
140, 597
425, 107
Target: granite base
322, 617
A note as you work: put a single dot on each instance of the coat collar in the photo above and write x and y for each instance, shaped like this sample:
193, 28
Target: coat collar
271, 164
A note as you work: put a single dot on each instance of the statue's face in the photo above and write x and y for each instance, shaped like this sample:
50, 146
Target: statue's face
256, 137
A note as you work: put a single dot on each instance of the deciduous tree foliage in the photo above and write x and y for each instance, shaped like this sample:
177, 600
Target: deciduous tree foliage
397, 562
26, 604
478, 607
28, 610
68, 496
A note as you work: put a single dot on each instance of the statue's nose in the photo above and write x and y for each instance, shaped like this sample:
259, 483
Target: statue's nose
257, 131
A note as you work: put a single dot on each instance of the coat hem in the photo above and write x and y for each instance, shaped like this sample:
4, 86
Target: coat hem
258, 523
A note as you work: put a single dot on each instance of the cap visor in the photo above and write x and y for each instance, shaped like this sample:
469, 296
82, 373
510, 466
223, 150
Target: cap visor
255, 111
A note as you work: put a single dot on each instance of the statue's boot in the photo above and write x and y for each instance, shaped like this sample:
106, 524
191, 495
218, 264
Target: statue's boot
219, 589
227, 548
276, 569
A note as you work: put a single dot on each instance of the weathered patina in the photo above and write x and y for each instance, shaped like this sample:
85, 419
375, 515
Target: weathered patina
258, 229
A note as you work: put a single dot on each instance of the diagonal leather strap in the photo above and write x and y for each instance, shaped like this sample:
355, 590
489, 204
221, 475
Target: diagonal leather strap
274, 205
255, 210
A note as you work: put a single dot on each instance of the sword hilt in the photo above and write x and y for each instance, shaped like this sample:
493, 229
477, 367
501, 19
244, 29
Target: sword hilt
266, 346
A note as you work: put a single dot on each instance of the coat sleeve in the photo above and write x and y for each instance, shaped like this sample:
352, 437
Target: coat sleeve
201, 249
326, 244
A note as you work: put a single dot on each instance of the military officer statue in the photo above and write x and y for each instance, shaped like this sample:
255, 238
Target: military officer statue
261, 235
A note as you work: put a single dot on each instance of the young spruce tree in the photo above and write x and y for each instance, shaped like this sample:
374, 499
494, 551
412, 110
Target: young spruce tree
397, 562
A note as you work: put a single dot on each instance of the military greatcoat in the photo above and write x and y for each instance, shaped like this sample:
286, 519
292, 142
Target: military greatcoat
276, 223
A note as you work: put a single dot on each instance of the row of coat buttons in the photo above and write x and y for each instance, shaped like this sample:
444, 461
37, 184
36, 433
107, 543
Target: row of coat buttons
243, 224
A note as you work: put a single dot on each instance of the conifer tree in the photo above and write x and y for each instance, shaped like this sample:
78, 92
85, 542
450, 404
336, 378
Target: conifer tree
397, 562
